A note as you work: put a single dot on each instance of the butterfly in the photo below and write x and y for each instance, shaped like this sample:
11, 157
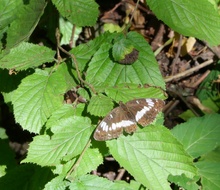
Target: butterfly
126, 116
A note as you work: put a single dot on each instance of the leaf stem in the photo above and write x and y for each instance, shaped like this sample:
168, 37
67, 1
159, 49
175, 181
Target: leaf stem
76, 64
79, 159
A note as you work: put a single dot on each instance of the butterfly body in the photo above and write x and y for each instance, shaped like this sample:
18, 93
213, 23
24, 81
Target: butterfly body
126, 116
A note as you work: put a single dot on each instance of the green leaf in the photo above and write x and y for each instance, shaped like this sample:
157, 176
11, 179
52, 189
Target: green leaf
83, 93
36, 98
213, 156
57, 183
209, 169
3, 134
136, 185
91, 182
70, 137
190, 18
64, 112
21, 28
111, 27
69, 75
8, 11
209, 175
26, 56
84, 52
3, 169
184, 182
199, 135
66, 29
27, 176
90, 161
150, 155
208, 88
100, 105
121, 48
187, 115
104, 71
64, 167
126, 92
78, 12
212, 103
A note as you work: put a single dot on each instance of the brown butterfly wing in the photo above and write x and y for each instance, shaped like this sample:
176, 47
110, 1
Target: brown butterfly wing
126, 116
145, 110
113, 124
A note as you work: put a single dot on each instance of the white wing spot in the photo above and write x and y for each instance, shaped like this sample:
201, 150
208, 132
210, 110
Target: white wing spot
141, 113
137, 102
104, 126
111, 115
123, 123
150, 102
113, 126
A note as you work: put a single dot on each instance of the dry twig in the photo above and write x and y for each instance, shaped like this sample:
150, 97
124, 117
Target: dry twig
188, 72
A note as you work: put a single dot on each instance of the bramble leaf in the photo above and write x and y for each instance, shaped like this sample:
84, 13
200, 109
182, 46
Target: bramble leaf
37, 97
150, 155
27, 55
78, 12
70, 137
199, 135
190, 18
145, 70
